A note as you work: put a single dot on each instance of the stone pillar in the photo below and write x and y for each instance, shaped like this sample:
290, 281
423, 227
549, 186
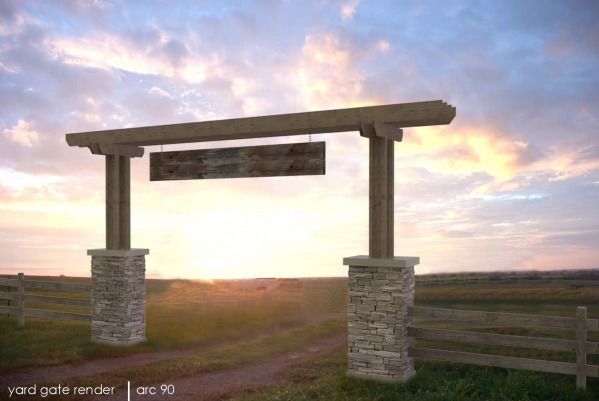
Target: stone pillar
118, 296
379, 293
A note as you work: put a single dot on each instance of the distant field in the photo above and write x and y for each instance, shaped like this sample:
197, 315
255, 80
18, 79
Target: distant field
278, 315
179, 313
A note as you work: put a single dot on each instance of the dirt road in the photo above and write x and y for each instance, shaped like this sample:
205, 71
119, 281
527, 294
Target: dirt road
222, 384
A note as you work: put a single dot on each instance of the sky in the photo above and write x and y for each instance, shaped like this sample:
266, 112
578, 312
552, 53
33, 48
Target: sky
511, 184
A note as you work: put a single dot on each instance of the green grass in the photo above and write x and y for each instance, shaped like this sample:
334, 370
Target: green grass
324, 379
222, 357
179, 314
217, 358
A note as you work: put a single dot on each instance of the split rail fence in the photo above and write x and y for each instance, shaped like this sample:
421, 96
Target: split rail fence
581, 346
18, 298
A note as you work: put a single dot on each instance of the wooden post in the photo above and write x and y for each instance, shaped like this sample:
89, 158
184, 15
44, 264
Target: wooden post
118, 205
9, 290
381, 214
581, 353
124, 202
112, 202
20, 300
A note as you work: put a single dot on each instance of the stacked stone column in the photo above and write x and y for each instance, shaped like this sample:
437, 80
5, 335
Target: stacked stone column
118, 296
379, 293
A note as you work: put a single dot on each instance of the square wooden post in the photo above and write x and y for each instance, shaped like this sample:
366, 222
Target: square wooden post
124, 202
581, 344
112, 201
381, 210
118, 205
20, 300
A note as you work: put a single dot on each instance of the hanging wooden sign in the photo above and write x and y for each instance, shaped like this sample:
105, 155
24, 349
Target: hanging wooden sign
247, 161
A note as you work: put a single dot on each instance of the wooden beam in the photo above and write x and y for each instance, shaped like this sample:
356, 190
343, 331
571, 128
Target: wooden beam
499, 361
115, 150
8, 282
57, 300
11, 310
112, 202
399, 115
500, 318
8, 296
248, 161
124, 202
380, 129
118, 204
581, 352
58, 314
470, 337
381, 199
20, 300
57, 286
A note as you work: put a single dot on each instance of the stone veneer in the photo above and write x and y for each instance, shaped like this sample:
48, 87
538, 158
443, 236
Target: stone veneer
379, 293
118, 296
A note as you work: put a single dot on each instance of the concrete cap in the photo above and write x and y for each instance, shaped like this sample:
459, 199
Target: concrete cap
118, 252
367, 261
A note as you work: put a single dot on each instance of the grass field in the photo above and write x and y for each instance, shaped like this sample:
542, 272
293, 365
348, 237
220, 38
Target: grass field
243, 321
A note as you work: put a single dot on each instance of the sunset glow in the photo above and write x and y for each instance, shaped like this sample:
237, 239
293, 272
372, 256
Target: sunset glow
512, 183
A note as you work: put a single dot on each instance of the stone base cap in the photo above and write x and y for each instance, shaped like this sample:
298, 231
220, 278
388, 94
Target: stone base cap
379, 378
119, 342
118, 252
367, 261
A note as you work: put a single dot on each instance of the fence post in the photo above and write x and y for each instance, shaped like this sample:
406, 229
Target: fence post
8, 290
20, 301
581, 353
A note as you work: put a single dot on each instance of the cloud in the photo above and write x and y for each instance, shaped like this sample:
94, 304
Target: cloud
466, 150
327, 74
22, 133
348, 9
383, 45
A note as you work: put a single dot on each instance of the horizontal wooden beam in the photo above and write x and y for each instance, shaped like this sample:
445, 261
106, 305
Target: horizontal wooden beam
248, 161
399, 115
500, 361
8, 296
57, 314
57, 286
8, 282
110, 149
492, 317
469, 337
8, 309
57, 300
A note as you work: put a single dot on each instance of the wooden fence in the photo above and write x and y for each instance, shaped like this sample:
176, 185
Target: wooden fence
581, 346
17, 299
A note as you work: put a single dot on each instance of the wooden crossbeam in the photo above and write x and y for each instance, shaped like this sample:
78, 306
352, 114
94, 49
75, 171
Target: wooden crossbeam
248, 161
399, 115
116, 150
382, 130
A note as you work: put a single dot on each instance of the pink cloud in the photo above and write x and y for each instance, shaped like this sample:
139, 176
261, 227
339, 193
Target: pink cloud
22, 133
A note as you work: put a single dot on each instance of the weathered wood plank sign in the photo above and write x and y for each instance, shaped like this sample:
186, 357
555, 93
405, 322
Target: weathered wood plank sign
239, 162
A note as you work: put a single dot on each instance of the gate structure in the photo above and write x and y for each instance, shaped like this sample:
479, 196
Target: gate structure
381, 285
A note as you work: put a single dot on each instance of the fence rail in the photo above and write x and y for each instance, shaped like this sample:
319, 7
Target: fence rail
470, 316
20, 298
56, 286
501, 361
7, 282
8, 296
581, 346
